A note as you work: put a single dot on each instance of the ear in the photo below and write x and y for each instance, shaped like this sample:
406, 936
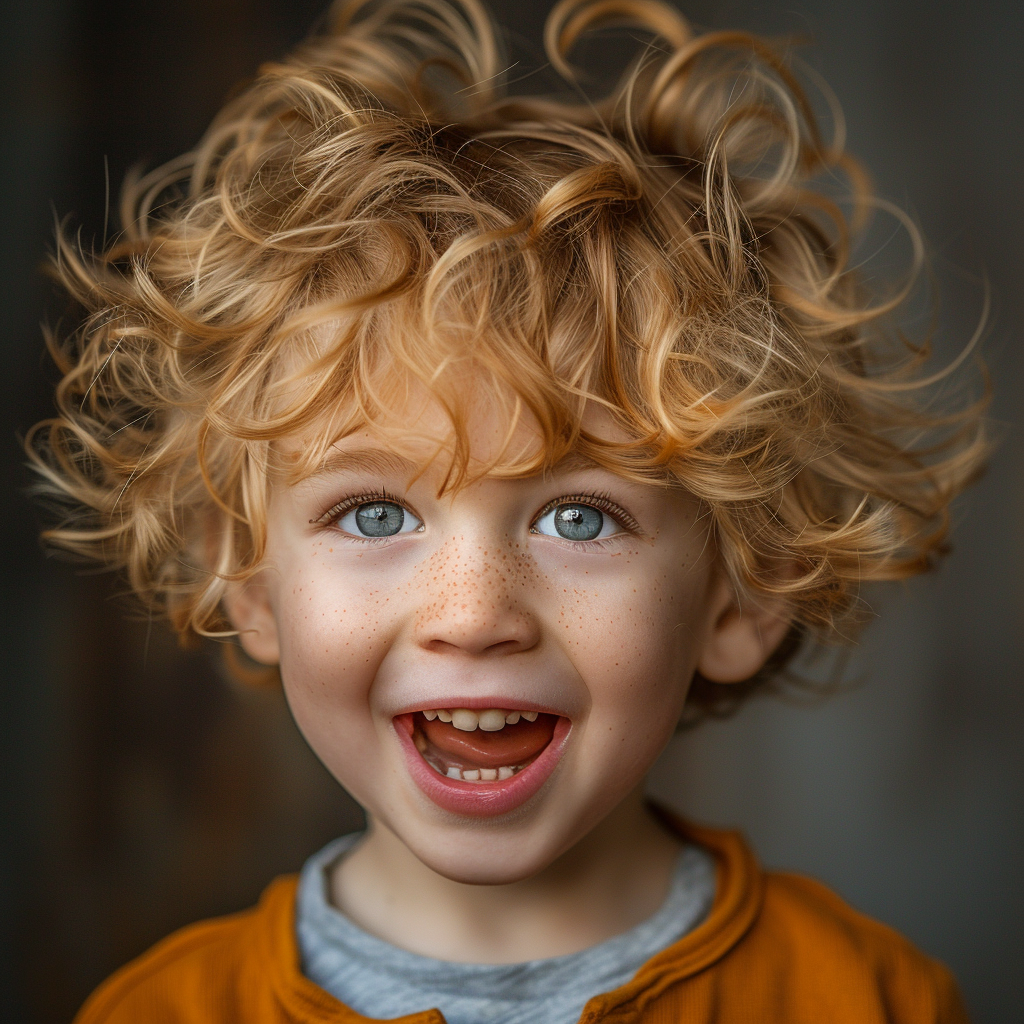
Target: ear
249, 608
743, 635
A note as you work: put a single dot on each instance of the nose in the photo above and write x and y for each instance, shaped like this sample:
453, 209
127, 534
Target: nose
476, 599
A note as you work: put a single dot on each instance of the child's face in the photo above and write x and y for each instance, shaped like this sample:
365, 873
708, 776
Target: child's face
478, 601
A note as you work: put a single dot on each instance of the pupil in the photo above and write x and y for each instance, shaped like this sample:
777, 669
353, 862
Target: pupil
381, 519
578, 522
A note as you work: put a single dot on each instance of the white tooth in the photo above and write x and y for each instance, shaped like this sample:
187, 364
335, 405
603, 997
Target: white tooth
488, 774
421, 742
454, 773
492, 720
506, 773
530, 716
511, 718
471, 774
445, 716
430, 715
465, 720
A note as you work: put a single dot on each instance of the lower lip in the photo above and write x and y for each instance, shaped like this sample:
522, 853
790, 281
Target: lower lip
482, 799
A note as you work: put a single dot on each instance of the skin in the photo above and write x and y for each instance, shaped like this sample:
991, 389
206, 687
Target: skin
477, 603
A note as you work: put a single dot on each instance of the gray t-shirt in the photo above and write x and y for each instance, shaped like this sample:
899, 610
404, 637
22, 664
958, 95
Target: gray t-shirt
380, 980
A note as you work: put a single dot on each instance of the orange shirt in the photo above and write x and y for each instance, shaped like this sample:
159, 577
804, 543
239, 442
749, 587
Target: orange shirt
775, 949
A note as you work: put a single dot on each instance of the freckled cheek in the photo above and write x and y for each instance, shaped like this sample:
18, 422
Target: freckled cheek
624, 626
635, 645
333, 639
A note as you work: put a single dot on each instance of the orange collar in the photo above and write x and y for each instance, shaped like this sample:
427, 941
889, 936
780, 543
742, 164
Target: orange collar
738, 897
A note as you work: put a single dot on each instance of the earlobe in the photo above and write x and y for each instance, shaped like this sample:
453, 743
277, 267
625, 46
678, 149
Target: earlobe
250, 611
743, 636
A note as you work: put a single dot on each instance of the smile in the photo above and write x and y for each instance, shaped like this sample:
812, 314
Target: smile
481, 746
481, 762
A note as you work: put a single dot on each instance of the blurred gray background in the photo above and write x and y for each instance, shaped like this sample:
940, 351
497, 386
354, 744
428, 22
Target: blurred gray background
141, 791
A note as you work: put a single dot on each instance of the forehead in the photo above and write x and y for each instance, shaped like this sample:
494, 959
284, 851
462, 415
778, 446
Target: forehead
360, 453
487, 434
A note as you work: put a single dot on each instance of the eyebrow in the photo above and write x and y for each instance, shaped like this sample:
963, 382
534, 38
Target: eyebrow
366, 460
385, 462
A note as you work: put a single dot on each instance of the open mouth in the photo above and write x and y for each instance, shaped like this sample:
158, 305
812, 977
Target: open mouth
490, 745
481, 761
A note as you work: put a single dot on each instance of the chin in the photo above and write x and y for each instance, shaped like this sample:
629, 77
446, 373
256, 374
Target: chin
488, 858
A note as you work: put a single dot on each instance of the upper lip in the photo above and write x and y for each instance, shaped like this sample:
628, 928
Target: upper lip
480, 704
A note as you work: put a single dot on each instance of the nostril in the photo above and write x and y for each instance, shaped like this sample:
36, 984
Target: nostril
506, 646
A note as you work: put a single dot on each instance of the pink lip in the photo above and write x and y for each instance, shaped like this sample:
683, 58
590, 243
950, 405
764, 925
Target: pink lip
479, 704
481, 799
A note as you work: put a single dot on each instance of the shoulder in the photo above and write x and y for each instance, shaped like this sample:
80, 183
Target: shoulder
814, 953
800, 911
226, 969
782, 947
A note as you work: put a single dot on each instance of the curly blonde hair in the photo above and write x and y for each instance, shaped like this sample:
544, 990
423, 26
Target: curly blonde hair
378, 209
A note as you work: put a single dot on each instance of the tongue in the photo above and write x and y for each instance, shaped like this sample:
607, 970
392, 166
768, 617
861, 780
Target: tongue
510, 746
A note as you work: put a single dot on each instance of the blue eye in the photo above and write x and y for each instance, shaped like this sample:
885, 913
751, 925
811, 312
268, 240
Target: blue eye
378, 519
573, 520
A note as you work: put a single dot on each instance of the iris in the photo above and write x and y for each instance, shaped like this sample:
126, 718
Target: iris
578, 522
380, 519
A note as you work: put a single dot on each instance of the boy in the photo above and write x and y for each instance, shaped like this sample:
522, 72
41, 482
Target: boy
510, 432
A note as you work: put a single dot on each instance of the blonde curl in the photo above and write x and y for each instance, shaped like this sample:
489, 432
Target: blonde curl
379, 208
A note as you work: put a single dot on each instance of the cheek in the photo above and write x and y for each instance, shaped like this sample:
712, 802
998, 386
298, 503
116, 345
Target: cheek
335, 625
635, 635
636, 624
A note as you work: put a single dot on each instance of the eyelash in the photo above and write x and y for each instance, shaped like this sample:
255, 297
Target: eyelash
335, 512
599, 501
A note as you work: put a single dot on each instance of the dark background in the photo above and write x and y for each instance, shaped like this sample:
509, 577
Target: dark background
142, 791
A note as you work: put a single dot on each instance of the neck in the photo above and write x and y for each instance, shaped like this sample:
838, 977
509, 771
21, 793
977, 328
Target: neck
611, 880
